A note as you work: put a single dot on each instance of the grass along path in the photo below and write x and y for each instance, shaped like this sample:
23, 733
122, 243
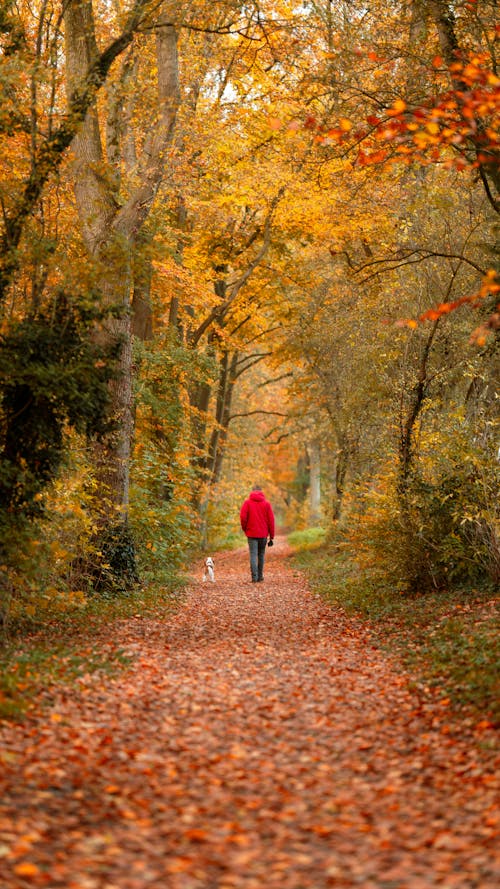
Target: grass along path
449, 640
257, 739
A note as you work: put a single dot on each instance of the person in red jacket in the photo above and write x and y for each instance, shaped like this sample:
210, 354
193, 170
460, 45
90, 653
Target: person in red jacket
257, 521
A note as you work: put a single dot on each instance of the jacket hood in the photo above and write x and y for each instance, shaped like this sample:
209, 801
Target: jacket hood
257, 495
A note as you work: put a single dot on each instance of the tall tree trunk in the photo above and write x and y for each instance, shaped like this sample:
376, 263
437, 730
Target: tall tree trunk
51, 149
314, 450
111, 233
180, 224
200, 401
225, 418
409, 414
142, 270
341, 467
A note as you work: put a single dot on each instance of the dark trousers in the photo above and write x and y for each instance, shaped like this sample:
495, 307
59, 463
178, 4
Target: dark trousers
257, 547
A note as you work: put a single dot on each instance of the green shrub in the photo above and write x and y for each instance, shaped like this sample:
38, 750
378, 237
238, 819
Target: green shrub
53, 376
310, 538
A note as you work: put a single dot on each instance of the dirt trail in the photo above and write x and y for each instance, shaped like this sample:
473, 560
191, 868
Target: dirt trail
259, 740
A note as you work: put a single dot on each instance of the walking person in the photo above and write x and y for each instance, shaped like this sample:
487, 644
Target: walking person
257, 521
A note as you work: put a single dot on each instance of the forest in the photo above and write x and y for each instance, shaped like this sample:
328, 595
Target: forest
249, 244
246, 242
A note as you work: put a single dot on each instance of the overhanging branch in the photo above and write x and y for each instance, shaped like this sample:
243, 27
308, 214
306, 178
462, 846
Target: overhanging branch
412, 257
260, 411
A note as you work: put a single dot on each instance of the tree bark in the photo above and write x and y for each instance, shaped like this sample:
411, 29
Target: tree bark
227, 380
111, 233
343, 457
142, 274
50, 151
417, 396
314, 450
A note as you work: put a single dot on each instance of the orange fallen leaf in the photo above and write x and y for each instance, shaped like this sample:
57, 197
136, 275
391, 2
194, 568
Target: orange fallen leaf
26, 869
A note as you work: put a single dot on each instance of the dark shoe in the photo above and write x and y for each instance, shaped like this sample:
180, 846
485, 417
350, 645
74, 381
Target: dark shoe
259, 579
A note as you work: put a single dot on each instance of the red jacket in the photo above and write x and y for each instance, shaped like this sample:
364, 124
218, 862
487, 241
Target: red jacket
256, 516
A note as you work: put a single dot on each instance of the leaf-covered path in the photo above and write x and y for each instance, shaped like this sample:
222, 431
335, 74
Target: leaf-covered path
259, 740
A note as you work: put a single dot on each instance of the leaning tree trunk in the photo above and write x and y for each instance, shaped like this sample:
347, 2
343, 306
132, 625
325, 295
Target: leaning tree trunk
411, 403
111, 232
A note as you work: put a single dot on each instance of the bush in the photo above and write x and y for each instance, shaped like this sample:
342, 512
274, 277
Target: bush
53, 377
161, 517
441, 530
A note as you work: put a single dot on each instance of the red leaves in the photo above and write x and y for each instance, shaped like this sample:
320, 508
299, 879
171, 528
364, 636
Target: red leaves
373, 157
490, 286
466, 114
310, 123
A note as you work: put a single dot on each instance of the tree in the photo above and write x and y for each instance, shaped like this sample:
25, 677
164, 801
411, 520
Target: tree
45, 152
111, 222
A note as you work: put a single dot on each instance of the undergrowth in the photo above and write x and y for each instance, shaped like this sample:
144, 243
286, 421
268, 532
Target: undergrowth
447, 639
33, 658
309, 538
29, 670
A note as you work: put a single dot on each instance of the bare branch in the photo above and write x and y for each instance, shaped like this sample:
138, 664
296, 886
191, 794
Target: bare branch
251, 413
219, 311
253, 356
275, 380
420, 255
256, 360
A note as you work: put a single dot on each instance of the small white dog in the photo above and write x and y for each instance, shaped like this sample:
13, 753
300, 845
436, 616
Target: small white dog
208, 571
